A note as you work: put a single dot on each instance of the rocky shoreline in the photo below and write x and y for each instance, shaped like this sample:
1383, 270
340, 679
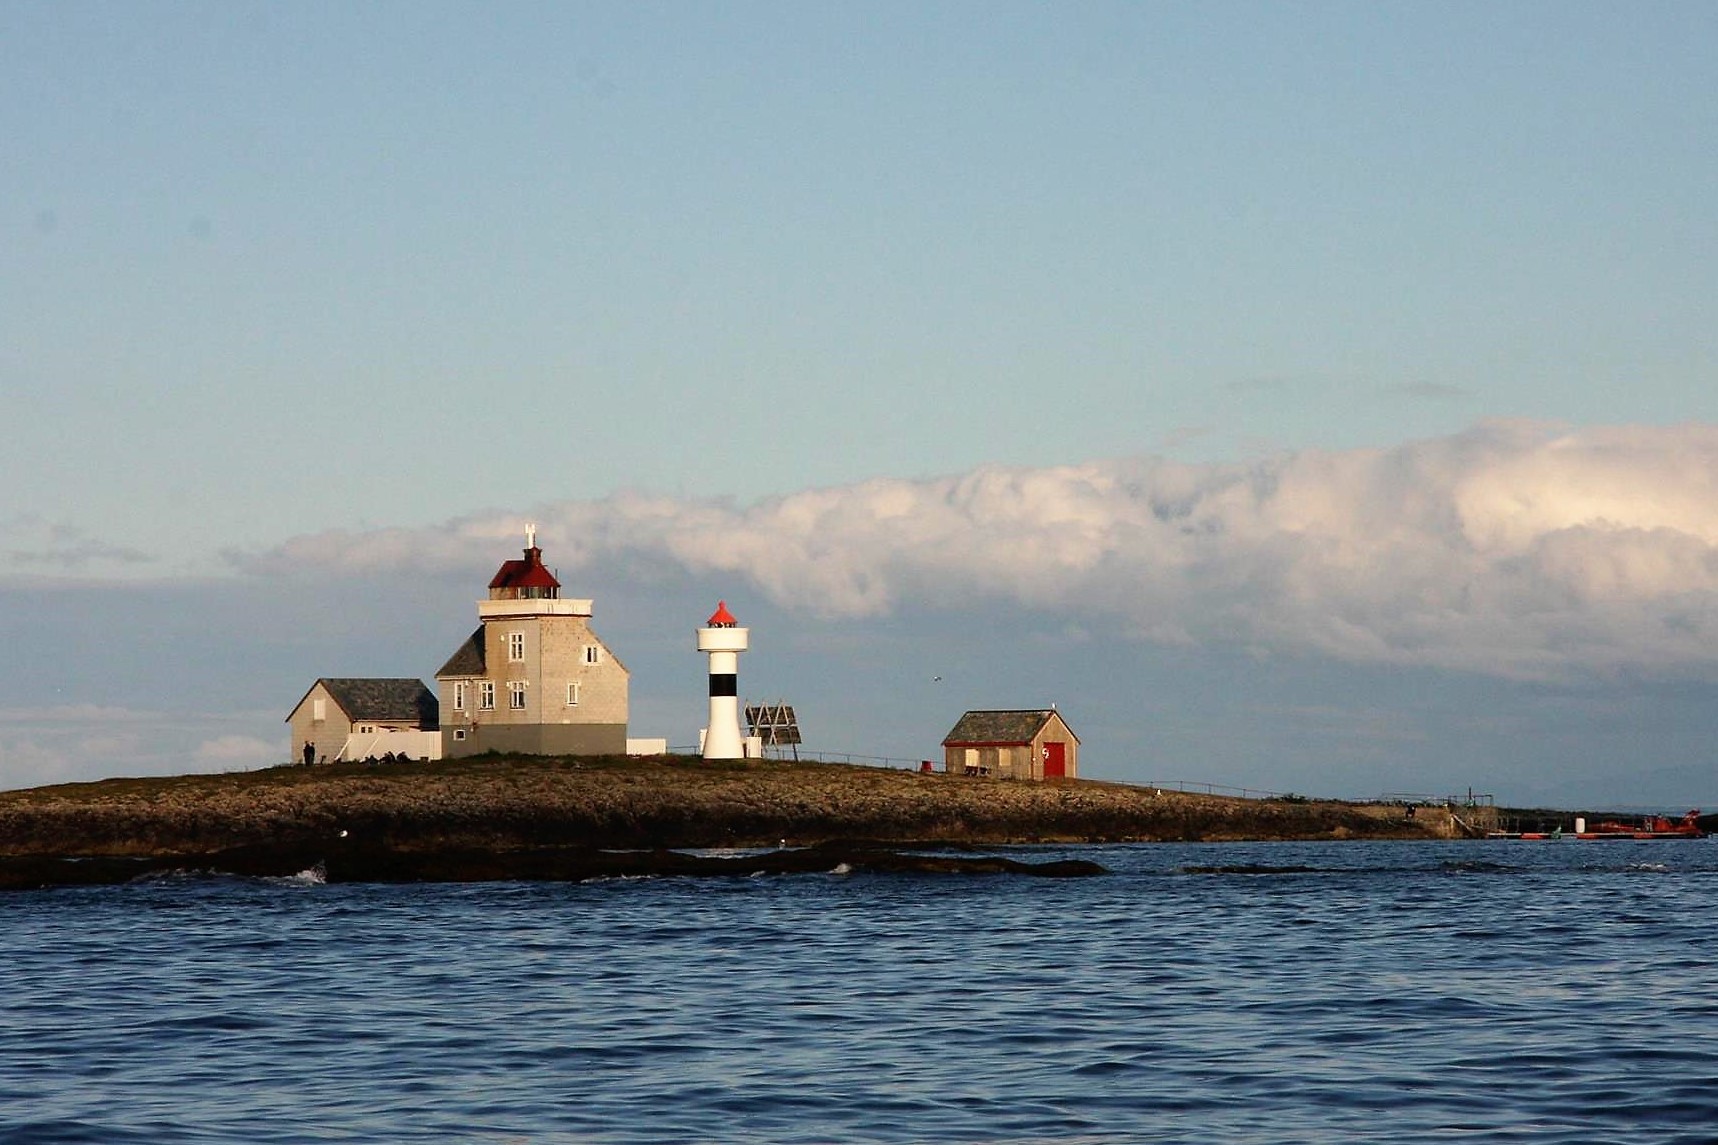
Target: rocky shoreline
339, 862
557, 818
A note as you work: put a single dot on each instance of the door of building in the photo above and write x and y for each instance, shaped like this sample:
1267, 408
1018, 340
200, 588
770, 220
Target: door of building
1055, 760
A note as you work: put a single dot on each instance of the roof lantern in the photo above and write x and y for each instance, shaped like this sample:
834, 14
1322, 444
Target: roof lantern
722, 618
525, 579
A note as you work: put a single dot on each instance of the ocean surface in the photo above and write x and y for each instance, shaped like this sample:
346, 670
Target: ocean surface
1477, 991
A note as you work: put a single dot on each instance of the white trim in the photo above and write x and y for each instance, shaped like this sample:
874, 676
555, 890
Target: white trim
532, 606
724, 639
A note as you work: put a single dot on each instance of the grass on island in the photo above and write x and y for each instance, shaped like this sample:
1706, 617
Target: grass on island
660, 801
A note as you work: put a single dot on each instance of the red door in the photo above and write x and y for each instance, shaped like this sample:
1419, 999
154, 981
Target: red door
1055, 760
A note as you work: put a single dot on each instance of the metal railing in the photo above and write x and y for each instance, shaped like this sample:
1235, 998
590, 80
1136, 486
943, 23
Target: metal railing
787, 754
884, 761
1471, 799
1194, 785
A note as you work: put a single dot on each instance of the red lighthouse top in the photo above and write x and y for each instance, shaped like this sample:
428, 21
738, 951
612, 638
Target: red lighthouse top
525, 579
722, 618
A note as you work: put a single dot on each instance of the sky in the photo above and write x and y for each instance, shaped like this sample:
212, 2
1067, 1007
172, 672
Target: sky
1313, 397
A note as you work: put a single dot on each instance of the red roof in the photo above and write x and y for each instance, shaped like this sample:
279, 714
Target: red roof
722, 618
526, 573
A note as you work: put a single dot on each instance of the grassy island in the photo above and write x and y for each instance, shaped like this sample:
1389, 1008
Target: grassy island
436, 820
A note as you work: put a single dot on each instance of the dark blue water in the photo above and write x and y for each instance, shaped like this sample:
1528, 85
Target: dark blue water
1495, 991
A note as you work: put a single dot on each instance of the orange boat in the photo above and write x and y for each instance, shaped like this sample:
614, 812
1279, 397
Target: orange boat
1650, 827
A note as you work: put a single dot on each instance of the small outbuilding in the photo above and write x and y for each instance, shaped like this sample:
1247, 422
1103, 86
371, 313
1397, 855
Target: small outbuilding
1029, 744
348, 718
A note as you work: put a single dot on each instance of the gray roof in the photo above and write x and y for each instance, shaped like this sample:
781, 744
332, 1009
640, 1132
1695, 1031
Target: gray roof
1000, 727
468, 660
391, 700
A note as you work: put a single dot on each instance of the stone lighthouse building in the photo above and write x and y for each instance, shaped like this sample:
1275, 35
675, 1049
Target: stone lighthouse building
533, 678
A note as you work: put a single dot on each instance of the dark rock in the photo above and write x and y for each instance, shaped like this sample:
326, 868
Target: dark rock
340, 861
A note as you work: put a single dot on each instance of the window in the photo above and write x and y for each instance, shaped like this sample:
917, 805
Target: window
593, 654
319, 709
459, 695
572, 693
515, 647
486, 695
516, 694
458, 733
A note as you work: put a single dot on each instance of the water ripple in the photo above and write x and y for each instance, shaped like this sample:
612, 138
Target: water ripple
1295, 992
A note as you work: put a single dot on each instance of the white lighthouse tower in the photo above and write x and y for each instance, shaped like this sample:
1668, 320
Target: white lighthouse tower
724, 640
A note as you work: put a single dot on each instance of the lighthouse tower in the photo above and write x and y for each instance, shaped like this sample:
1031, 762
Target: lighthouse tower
724, 640
534, 678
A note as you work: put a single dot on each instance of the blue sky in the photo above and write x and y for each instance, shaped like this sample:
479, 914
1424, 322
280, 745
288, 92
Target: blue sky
1410, 306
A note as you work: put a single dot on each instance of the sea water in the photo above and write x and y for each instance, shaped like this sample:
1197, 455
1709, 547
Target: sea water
1485, 991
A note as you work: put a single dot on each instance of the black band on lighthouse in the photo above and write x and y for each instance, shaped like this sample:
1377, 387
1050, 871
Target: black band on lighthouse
724, 684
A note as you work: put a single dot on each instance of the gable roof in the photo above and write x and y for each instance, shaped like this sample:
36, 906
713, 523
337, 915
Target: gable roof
1011, 727
390, 700
467, 660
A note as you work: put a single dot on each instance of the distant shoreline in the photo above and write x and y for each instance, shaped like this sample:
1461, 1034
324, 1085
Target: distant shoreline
481, 817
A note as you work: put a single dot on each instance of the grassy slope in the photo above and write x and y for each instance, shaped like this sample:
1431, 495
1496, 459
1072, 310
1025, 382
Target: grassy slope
672, 801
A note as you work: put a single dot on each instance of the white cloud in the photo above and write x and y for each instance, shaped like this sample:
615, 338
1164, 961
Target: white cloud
29, 542
1429, 391
74, 742
84, 714
238, 751
1514, 549
28, 763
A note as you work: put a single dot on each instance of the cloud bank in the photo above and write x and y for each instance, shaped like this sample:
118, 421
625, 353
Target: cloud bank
30, 542
1519, 550
71, 742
